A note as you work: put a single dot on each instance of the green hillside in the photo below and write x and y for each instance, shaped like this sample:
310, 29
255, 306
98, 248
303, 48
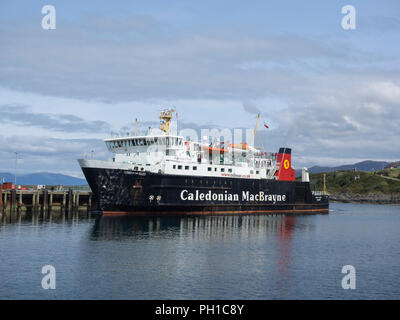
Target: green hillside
359, 182
393, 172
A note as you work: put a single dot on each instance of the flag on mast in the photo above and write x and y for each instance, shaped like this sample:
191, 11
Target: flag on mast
265, 125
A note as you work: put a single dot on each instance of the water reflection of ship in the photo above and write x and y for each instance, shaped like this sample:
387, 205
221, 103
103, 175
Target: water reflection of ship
271, 238
284, 253
204, 227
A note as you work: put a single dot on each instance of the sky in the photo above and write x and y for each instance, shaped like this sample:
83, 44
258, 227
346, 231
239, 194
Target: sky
332, 95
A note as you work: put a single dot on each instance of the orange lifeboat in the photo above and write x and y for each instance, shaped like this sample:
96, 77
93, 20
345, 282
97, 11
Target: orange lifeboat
241, 146
215, 149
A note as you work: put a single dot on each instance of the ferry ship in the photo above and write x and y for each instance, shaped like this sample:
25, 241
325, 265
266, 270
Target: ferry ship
165, 174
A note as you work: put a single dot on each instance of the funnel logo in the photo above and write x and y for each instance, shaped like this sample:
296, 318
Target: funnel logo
285, 172
286, 164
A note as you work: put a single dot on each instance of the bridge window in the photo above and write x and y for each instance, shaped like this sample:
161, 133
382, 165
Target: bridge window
179, 167
195, 168
209, 168
186, 167
174, 166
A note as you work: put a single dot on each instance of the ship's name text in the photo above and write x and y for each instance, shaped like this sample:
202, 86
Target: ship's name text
225, 196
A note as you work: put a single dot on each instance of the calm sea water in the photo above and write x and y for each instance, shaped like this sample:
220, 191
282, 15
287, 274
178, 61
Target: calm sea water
249, 257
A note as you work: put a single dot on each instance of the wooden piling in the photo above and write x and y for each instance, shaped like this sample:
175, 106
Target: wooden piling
70, 195
37, 201
20, 199
77, 200
64, 202
45, 199
51, 201
13, 199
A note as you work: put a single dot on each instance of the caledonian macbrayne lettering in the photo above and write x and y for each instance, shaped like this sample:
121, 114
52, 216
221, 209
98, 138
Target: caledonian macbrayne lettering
225, 196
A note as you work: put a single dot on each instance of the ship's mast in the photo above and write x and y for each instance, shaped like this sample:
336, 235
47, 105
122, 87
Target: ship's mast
255, 133
255, 129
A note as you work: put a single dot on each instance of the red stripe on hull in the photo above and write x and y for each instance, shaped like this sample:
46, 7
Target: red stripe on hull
189, 213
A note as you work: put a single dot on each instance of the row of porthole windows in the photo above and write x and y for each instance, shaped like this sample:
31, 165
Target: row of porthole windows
211, 182
216, 169
209, 169
224, 182
194, 168
186, 167
230, 170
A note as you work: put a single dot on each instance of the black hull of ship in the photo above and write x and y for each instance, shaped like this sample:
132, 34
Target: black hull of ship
143, 193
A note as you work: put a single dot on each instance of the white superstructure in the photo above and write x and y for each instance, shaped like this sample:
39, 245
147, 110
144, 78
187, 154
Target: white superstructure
172, 154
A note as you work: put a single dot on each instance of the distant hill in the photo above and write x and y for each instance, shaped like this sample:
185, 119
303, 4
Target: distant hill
367, 166
45, 178
395, 164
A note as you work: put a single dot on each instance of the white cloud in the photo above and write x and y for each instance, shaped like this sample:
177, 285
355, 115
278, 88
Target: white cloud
386, 91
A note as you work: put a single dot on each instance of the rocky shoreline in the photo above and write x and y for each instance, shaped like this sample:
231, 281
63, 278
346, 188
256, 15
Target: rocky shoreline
377, 198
